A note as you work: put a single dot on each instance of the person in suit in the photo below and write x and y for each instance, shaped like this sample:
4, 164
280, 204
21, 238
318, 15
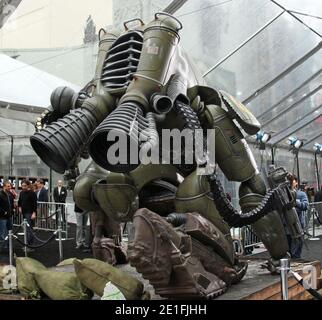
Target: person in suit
42, 199
60, 195
42, 192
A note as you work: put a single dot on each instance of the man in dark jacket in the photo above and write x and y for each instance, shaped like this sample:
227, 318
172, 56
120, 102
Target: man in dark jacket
42, 193
27, 206
60, 195
4, 216
7, 190
318, 195
42, 199
301, 206
318, 205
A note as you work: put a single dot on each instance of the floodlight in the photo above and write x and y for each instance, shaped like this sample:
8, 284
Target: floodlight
317, 148
263, 137
295, 143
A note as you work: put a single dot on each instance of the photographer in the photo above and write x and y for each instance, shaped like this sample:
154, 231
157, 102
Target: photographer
318, 204
301, 206
4, 216
309, 190
318, 195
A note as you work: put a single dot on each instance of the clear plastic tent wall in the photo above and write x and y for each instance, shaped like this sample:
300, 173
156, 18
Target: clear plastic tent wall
268, 55
261, 53
265, 53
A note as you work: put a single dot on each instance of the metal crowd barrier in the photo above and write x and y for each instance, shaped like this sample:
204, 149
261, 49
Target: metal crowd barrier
247, 237
11, 236
285, 268
313, 220
50, 216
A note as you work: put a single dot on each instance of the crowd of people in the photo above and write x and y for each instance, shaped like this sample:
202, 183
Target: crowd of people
304, 195
7, 198
31, 202
33, 198
26, 205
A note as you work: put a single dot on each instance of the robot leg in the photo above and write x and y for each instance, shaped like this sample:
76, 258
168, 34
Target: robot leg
194, 195
236, 160
107, 245
171, 258
269, 228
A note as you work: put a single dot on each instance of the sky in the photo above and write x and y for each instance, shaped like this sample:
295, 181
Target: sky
53, 23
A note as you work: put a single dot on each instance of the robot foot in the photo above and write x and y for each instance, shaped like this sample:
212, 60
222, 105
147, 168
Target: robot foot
272, 265
105, 249
151, 247
163, 256
241, 269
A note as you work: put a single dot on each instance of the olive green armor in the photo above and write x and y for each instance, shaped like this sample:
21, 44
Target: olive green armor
182, 241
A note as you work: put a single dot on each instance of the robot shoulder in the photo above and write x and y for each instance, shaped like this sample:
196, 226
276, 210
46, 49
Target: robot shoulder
239, 112
232, 107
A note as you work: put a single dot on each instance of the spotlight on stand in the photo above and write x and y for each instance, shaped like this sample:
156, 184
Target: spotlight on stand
317, 148
262, 138
295, 145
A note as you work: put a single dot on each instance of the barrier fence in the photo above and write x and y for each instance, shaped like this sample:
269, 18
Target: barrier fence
50, 215
309, 282
313, 220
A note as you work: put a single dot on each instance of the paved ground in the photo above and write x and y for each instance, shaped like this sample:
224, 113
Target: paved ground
312, 250
49, 256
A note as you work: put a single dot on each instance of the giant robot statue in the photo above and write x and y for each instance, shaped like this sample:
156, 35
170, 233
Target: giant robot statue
143, 84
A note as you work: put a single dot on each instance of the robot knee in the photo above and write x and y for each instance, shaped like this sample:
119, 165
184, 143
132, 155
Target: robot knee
251, 192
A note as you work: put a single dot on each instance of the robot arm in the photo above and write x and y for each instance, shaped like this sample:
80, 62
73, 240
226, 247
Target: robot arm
264, 210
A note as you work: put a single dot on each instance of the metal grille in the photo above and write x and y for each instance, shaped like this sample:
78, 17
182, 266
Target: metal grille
233, 139
122, 60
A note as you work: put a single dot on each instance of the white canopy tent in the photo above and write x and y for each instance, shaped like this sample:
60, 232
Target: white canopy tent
25, 90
